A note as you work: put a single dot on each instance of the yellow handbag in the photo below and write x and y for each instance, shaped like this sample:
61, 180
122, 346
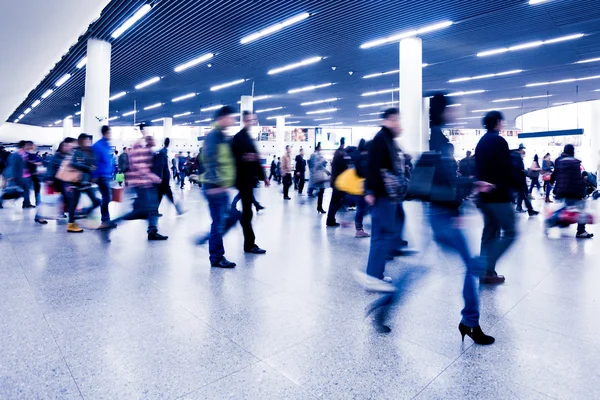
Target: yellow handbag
349, 182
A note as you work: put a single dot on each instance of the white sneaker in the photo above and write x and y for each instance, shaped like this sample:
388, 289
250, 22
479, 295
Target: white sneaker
387, 279
372, 284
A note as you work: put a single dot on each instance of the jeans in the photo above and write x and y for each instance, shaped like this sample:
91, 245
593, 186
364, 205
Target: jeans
222, 220
182, 178
145, 206
535, 182
247, 197
105, 192
548, 188
447, 235
74, 194
287, 182
383, 231
499, 232
362, 208
334, 205
25, 184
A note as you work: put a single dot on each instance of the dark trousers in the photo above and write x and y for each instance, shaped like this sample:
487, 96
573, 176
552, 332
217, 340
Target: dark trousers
37, 188
301, 181
247, 198
105, 192
334, 205
175, 174
238, 197
362, 208
499, 232
74, 194
25, 184
273, 174
164, 189
287, 183
523, 197
320, 199
145, 206
535, 182
182, 178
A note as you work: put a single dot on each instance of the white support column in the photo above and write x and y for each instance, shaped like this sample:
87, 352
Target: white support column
67, 127
167, 127
97, 87
425, 132
82, 115
280, 136
246, 104
411, 93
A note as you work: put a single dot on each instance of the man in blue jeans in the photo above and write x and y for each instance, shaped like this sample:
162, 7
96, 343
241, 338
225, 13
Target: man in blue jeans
219, 176
103, 173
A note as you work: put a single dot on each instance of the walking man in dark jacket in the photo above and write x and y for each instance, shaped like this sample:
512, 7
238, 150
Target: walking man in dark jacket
161, 169
273, 173
569, 184
248, 172
300, 171
339, 164
521, 181
494, 165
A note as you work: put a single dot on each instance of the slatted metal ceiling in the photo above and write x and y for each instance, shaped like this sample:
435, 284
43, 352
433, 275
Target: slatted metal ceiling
175, 31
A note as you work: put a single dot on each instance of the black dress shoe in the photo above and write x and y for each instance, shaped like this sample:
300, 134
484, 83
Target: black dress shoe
287, 198
29, 206
223, 263
41, 221
322, 211
493, 279
333, 224
259, 207
156, 236
533, 213
476, 334
255, 250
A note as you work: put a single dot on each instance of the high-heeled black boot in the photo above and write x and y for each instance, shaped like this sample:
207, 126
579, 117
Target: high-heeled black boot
476, 334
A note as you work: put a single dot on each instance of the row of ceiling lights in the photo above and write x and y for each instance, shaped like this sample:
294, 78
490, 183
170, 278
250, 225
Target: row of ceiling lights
274, 28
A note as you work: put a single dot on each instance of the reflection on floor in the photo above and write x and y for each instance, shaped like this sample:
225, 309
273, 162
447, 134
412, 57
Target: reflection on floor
85, 318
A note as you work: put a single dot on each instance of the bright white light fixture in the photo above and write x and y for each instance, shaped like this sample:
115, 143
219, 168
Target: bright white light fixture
469, 118
128, 113
211, 108
69, 117
58, 122
323, 111
455, 105
194, 62
308, 88
62, 80
529, 45
310, 103
148, 82
395, 71
113, 118
21, 116
117, 96
27, 111
291, 122
465, 93
521, 98
185, 96
35, 103
381, 92
496, 109
407, 34
534, 2
203, 120
388, 103
135, 18
323, 119
472, 78
280, 116
47, 93
153, 106
332, 123
182, 114
82, 63
78, 113
268, 109
587, 78
589, 60
16, 121
226, 85
299, 64
274, 28
258, 98
157, 120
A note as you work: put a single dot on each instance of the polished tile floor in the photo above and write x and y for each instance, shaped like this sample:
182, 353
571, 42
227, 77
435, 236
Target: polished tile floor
84, 317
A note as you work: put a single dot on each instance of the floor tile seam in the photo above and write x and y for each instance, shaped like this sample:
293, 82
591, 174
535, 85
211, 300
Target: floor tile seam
578, 339
62, 355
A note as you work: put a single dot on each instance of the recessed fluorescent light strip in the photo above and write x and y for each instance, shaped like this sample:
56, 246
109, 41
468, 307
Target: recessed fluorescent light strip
587, 78
194, 62
226, 85
268, 109
35, 103
496, 109
377, 104
135, 18
407, 34
381, 92
147, 83
472, 78
465, 93
47, 93
589, 60
470, 118
82, 63
21, 116
292, 122
117, 96
323, 119
157, 120
534, 2
522, 98
454, 105
299, 64
203, 120
27, 111
280, 116
62, 80
113, 118
332, 123
211, 108
58, 122
182, 114
323, 111
529, 45
185, 96
153, 106
274, 28
128, 113
396, 71
310, 103
308, 88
